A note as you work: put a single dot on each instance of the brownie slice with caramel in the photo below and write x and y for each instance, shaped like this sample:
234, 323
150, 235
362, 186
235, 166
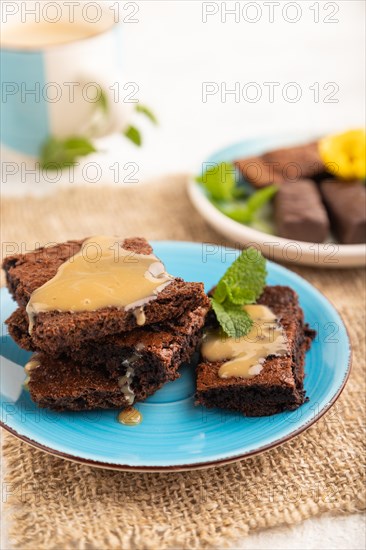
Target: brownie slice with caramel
278, 386
56, 331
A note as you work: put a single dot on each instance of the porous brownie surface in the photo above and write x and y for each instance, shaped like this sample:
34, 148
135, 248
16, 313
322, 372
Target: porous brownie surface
166, 342
258, 172
279, 386
346, 205
65, 386
285, 164
299, 212
154, 354
300, 161
57, 332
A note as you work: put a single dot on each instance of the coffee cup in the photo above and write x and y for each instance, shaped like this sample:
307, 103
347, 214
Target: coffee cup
61, 78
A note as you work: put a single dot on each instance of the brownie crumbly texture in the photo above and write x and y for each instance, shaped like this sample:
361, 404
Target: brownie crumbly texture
279, 386
346, 205
153, 353
300, 213
295, 163
164, 345
286, 164
57, 332
258, 172
64, 386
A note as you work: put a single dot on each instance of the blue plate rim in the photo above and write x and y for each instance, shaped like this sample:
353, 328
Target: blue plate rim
216, 462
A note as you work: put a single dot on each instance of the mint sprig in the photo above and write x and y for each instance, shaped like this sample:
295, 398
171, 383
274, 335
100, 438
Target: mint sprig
234, 197
242, 284
233, 319
58, 153
219, 181
245, 211
132, 132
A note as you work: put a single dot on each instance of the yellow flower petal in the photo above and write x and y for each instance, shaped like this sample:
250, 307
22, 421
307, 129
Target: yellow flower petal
345, 154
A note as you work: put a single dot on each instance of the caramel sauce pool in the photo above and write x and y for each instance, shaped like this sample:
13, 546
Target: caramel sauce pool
102, 274
244, 357
130, 417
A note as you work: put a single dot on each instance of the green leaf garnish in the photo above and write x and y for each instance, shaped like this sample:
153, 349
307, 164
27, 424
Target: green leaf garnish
231, 196
134, 135
244, 280
102, 102
236, 210
219, 181
242, 284
260, 198
234, 321
58, 153
147, 112
245, 211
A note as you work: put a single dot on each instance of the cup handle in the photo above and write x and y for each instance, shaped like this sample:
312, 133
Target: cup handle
110, 116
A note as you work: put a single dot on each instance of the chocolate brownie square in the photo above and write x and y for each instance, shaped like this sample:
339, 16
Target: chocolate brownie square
279, 385
56, 332
299, 212
290, 164
346, 205
258, 172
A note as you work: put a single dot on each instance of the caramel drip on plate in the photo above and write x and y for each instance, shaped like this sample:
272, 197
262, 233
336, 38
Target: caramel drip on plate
32, 364
130, 417
244, 357
124, 383
102, 274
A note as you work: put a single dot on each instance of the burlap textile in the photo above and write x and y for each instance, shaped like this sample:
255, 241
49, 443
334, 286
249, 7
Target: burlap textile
57, 504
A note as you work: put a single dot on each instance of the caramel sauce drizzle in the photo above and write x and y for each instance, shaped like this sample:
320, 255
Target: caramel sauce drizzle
102, 274
244, 357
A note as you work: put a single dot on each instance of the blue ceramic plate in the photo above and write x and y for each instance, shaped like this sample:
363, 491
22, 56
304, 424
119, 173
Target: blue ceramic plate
175, 434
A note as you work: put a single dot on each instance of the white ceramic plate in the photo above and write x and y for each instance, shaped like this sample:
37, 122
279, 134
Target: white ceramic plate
327, 255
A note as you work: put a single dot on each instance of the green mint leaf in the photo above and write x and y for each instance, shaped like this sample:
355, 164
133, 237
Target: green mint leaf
134, 135
245, 211
234, 320
58, 153
102, 102
242, 284
147, 112
236, 210
219, 181
239, 192
221, 292
244, 280
260, 198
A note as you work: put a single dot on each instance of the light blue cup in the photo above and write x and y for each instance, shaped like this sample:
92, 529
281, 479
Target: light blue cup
55, 89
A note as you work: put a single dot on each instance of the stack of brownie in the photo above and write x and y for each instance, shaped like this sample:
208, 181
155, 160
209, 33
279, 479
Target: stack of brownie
310, 202
101, 359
